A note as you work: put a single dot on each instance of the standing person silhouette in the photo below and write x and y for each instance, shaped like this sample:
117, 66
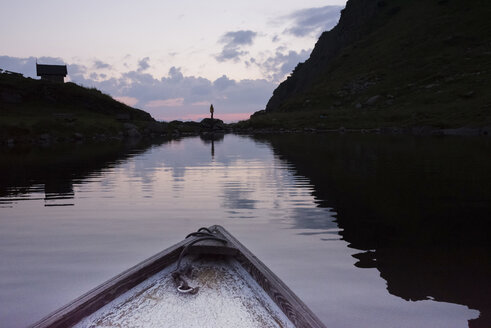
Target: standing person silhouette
212, 110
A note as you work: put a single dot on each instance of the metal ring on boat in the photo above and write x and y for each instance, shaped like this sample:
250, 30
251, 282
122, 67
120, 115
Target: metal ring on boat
182, 289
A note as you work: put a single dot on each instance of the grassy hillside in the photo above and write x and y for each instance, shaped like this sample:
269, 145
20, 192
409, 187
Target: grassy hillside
417, 63
30, 108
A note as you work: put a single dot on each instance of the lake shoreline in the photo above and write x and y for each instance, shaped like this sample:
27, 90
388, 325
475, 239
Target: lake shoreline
415, 131
128, 132
182, 130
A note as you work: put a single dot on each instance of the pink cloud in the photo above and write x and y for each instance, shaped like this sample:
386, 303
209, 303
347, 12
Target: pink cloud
174, 102
234, 117
130, 101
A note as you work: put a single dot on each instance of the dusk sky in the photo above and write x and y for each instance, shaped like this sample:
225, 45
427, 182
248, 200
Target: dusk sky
170, 58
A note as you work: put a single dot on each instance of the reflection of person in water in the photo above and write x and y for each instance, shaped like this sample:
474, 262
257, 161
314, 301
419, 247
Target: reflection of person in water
212, 110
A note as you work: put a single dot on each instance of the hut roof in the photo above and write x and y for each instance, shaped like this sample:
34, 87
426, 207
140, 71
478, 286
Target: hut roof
51, 70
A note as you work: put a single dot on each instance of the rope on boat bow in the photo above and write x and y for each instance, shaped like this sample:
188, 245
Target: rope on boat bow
177, 275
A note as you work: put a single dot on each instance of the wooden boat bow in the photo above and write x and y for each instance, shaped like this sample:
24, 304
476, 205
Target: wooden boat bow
292, 307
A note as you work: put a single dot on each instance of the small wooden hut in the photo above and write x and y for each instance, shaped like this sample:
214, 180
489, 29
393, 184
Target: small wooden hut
55, 73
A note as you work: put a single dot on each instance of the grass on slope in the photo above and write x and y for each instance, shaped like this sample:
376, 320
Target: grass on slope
31, 107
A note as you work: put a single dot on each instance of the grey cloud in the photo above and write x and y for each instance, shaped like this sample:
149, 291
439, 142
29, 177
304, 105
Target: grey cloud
238, 38
248, 92
143, 64
227, 95
288, 62
238, 197
26, 66
175, 74
250, 62
139, 77
97, 77
233, 43
223, 83
313, 20
230, 54
98, 64
76, 71
202, 89
282, 63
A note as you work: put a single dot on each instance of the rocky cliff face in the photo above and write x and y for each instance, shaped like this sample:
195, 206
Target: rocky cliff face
397, 63
355, 22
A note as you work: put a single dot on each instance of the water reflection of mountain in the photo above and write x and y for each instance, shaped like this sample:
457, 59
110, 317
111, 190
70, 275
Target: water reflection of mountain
54, 170
419, 208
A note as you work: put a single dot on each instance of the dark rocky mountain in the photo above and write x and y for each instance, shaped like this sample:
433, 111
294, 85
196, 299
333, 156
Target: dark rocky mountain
397, 63
352, 25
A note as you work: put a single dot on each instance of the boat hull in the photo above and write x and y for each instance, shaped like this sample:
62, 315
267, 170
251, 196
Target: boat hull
277, 305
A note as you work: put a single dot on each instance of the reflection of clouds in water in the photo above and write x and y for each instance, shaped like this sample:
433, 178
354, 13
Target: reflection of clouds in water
180, 156
291, 198
191, 171
237, 196
178, 172
260, 181
148, 179
251, 180
107, 183
178, 185
176, 155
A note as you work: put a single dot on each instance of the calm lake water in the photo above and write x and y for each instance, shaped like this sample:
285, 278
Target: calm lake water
370, 231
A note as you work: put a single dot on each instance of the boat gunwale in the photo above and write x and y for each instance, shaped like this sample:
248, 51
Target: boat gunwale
291, 305
72, 313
